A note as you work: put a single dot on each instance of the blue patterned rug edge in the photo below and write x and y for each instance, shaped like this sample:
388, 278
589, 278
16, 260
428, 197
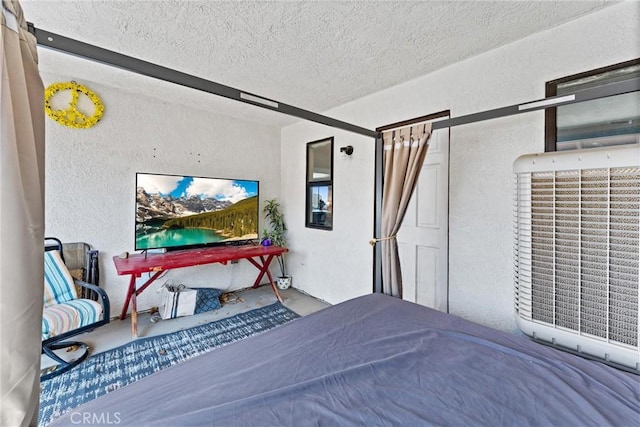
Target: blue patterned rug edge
115, 368
226, 319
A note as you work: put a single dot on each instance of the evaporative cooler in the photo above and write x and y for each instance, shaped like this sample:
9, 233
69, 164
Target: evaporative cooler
577, 251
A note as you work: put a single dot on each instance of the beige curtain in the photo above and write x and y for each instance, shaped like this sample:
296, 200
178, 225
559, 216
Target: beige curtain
404, 153
21, 220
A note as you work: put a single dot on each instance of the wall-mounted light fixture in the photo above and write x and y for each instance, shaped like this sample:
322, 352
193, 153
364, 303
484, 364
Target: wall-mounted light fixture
348, 150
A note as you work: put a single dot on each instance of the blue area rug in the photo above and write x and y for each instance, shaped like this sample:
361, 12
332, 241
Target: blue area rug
114, 369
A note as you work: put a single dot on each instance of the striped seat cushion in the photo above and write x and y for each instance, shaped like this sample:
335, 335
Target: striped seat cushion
58, 283
67, 316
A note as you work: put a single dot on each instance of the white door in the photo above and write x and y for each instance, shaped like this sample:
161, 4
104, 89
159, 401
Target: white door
423, 239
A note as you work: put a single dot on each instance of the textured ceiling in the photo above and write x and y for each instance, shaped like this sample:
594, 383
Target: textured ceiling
313, 55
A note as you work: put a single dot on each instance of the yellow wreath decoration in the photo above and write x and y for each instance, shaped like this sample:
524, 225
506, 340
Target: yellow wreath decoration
71, 116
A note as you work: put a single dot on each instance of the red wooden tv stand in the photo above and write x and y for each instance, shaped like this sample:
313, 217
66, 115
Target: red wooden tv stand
156, 263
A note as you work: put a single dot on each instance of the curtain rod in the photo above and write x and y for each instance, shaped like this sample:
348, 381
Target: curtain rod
98, 54
115, 59
619, 88
412, 122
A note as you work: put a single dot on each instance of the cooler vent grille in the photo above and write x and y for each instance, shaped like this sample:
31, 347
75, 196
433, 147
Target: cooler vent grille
577, 251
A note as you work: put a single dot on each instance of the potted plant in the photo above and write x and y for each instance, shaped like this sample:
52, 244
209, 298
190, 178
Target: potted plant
276, 235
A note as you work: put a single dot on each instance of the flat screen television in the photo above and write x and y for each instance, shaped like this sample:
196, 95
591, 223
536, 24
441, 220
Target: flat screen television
179, 212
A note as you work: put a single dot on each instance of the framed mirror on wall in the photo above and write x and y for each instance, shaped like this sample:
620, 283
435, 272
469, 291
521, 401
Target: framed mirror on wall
319, 203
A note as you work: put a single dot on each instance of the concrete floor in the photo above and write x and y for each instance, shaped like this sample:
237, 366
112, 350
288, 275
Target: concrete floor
118, 332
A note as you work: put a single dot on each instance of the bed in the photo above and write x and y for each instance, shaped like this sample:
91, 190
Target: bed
377, 360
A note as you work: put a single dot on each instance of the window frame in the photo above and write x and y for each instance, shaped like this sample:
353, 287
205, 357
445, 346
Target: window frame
551, 89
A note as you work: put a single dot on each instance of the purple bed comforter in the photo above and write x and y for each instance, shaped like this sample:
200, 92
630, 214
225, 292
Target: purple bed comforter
377, 361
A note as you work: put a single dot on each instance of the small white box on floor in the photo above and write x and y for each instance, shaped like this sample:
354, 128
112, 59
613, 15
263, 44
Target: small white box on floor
178, 301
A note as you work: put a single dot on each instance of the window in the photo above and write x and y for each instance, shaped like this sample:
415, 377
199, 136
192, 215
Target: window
319, 212
613, 120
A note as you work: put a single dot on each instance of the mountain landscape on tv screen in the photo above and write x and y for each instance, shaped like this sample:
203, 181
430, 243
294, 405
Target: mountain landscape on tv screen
162, 217
155, 206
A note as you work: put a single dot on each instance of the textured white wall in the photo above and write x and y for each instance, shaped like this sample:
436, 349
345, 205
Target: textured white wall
90, 176
336, 265
332, 265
